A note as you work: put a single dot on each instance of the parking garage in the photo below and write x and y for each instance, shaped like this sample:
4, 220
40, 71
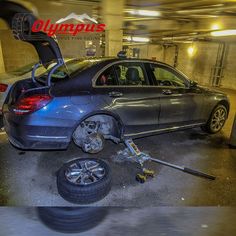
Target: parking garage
194, 37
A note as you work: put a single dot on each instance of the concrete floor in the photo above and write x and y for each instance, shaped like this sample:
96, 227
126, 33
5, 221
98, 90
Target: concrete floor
163, 221
29, 178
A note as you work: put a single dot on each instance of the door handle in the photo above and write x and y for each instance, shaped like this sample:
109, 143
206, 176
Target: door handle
115, 94
167, 91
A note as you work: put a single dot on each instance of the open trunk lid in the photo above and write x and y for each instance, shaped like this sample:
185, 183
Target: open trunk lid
20, 21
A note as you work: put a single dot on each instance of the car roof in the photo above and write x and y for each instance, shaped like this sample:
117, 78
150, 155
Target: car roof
112, 59
103, 61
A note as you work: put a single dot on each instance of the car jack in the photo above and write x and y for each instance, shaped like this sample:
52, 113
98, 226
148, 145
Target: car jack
133, 153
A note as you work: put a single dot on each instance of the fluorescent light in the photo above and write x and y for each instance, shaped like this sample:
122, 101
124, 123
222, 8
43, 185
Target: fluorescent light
223, 33
140, 39
144, 12
137, 39
128, 38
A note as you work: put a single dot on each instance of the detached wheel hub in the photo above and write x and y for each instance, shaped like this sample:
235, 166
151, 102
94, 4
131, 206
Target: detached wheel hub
93, 143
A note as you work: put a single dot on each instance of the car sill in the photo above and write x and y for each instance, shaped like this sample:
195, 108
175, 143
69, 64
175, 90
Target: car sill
156, 131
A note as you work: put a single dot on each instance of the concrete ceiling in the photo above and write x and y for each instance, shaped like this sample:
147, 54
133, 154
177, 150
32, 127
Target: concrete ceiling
176, 20
180, 19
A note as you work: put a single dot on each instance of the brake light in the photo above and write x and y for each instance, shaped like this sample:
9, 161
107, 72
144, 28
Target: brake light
3, 87
32, 103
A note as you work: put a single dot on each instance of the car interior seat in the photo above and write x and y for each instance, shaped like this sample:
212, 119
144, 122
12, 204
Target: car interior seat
132, 77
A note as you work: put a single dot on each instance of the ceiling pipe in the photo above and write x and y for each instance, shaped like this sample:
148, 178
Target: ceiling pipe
207, 9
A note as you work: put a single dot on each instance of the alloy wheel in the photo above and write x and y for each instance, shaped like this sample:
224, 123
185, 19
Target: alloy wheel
84, 172
218, 119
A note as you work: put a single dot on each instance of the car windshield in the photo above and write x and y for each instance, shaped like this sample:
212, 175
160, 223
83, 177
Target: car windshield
65, 71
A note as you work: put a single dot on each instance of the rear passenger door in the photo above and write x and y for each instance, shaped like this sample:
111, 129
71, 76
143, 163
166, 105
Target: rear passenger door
130, 96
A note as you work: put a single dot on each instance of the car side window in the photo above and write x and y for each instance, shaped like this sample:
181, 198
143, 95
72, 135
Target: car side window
107, 78
131, 74
165, 77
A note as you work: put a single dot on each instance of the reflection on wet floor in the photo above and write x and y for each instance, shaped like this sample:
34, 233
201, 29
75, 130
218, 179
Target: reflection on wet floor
102, 221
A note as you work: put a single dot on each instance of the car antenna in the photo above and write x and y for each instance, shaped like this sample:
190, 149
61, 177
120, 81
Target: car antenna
122, 54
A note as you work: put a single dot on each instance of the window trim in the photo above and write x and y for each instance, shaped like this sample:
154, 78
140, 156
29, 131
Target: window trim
107, 86
142, 66
95, 77
141, 62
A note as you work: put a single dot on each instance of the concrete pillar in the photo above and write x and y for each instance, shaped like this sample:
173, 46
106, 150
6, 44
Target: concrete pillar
2, 67
232, 141
112, 13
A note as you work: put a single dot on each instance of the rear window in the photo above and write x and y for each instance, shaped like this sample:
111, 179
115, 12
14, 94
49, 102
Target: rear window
65, 71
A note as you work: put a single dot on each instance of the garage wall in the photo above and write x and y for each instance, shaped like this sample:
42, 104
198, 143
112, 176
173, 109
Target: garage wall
229, 79
15, 52
151, 51
199, 66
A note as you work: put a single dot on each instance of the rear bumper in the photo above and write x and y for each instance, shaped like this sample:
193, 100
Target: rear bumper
24, 135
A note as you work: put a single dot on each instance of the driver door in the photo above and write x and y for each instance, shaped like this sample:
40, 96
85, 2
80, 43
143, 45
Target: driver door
180, 104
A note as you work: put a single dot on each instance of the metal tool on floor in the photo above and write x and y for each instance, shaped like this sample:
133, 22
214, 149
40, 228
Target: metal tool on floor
140, 157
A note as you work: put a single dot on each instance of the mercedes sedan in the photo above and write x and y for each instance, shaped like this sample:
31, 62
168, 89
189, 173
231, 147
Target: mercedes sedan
91, 100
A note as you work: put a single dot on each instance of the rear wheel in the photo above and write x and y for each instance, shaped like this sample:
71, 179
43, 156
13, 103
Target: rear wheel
216, 120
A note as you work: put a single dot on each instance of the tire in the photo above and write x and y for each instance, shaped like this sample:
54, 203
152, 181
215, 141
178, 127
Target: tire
71, 219
78, 192
209, 127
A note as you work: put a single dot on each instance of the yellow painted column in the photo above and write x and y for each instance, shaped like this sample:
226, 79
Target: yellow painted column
2, 67
112, 13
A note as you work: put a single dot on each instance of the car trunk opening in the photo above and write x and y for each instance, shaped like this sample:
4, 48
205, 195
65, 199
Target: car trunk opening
28, 87
26, 96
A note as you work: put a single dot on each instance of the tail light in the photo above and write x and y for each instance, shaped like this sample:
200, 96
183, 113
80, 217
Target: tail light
3, 87
32, 103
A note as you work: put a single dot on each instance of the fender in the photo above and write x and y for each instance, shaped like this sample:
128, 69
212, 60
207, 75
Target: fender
103, 112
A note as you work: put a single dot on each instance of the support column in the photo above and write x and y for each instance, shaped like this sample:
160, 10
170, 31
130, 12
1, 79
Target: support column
112, 13
2, 67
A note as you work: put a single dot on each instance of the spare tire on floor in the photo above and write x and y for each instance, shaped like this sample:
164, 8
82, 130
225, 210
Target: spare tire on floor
84, 180
72, 219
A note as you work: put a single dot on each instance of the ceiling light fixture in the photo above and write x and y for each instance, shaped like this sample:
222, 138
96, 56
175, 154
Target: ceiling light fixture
136, 39
223, 33
215, 26
191, 51
144, 13
140, 39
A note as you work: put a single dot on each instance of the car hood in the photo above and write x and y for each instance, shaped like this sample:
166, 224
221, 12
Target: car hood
20, 20
212, 91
